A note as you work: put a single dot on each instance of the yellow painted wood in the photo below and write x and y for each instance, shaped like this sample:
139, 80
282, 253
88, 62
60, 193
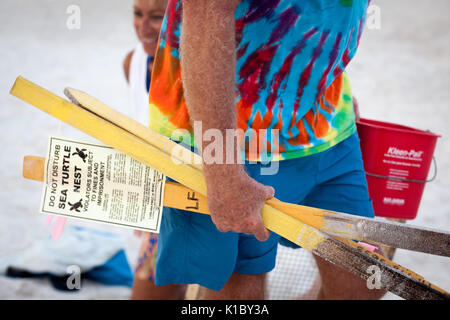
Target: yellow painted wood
33, 168
180, 197
142, 151
311, 216
108, 133
161, 142
175, 195
139, 149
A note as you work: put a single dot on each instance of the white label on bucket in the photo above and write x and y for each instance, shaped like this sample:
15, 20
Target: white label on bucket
404, 154
412, 154
396, 185
393, 201
398, 173
402, 163
98, 183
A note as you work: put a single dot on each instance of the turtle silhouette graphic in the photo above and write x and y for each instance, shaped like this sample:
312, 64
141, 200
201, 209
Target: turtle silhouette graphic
81, 154
76, 206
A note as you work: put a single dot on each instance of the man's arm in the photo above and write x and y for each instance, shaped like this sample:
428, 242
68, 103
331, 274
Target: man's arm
208, 72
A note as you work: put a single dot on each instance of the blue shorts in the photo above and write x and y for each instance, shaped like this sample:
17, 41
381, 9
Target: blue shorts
192, 250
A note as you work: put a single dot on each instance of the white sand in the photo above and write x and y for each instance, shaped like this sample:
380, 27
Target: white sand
401, 74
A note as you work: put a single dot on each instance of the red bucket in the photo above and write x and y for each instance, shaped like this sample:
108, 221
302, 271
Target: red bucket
396, 160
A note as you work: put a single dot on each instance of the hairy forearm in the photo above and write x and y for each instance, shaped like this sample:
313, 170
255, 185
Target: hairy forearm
208, 63
208, 72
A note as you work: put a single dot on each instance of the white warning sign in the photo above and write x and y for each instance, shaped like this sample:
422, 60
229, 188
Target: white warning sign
98, 183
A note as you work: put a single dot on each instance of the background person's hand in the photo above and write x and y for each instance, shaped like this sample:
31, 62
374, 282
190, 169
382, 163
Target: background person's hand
235, 201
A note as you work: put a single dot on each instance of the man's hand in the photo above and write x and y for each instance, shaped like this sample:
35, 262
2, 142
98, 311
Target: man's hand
236, 200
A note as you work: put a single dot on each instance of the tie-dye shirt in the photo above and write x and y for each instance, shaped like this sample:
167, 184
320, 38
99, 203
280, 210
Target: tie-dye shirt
290, 61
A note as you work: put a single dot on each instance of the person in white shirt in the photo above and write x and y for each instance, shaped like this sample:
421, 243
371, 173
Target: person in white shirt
137, 65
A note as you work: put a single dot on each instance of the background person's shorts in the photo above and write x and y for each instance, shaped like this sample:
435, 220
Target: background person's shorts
192, 250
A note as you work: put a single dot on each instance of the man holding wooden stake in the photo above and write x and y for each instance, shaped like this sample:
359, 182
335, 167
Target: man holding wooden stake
272, 72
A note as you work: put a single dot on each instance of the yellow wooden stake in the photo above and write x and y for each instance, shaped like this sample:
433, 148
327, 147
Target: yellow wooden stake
175, 195
140, 150
350, 257
166, 145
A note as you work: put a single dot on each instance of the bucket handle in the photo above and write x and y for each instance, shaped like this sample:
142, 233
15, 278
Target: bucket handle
406, 179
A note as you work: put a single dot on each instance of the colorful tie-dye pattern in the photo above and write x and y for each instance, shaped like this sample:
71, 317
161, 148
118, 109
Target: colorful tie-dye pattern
291, 57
